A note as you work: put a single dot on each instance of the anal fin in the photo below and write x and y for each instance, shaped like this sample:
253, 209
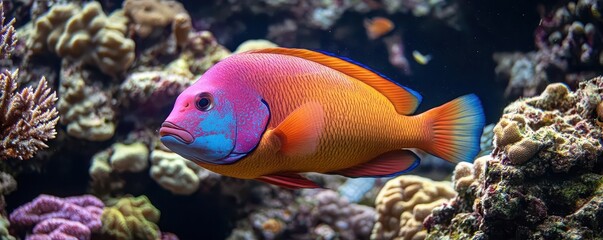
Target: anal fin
388, 164
288, 180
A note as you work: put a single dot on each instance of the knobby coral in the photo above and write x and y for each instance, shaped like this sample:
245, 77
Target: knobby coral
151, 15
174, 173
568, 41
543, 178
85, 34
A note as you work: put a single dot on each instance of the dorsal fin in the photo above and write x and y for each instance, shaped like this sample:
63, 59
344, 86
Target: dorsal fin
404, 99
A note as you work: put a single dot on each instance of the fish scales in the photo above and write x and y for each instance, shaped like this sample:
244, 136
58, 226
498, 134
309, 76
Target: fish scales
354, 112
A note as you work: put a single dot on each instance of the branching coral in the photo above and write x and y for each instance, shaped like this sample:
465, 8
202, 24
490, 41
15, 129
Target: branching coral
85, 34
27, 118
7, 35
404, 202
543, 179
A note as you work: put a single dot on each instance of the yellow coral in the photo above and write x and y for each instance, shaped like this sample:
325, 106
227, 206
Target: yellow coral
181, 28
403, 204
174, 173
131, 218
254, 44
466, 174
87, 35
506, 132
522, 151
132, 157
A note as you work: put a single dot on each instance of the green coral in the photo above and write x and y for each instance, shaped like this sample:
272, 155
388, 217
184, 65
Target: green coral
131, 218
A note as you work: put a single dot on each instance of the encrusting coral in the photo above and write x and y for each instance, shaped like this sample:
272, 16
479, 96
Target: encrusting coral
543, 179
404, 202
27, 117
86, 35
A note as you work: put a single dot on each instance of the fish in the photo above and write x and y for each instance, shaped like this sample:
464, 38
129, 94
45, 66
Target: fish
274, 114
378, 27
420, 58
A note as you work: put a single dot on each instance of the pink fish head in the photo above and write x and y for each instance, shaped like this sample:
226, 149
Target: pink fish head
214, 121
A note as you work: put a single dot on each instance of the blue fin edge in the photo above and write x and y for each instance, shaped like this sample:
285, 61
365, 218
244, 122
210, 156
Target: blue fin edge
413, 92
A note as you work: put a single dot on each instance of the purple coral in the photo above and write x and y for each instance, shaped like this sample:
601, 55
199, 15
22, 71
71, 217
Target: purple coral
56, 228
85, 209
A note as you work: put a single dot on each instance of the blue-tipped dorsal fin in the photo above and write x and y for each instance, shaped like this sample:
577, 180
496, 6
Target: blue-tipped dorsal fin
404, 99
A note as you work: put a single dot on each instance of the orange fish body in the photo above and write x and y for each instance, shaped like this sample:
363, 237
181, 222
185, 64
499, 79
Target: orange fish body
328, 115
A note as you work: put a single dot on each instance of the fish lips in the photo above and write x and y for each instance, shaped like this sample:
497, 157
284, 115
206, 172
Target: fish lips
169, 129
173, 130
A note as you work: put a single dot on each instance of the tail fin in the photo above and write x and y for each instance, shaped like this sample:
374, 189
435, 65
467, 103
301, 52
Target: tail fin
457, 128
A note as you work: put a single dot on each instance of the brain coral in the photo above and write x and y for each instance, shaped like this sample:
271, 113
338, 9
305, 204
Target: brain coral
84, 34
131, 218
543, 179
404, 202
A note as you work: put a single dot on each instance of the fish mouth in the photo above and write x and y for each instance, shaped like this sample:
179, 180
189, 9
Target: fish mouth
173, 130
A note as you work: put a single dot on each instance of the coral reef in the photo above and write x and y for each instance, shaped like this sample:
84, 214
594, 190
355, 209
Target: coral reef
27, 117
131, 218
542, 180
404, 202
153, 89
85, 35
49, 215
316, 213
149, 16
57, 228
85, 108
254, 44
568, 41
174, 173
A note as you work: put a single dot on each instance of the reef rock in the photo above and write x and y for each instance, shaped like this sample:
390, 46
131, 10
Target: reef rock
543, 179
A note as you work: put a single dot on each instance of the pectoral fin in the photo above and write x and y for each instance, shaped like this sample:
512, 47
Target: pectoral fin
385, 165
299, 133
288, 180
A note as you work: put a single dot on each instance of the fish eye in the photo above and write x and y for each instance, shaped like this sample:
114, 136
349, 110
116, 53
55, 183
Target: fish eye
204, 102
